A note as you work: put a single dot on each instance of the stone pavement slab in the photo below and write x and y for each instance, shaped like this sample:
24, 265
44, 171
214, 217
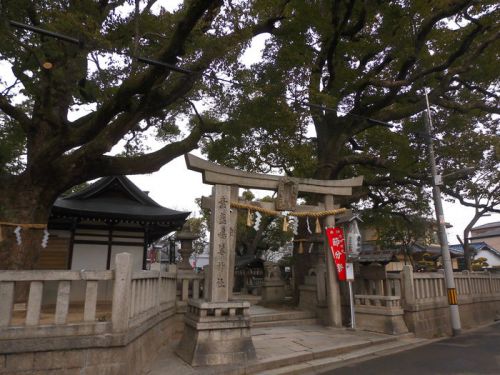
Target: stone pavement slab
277, 347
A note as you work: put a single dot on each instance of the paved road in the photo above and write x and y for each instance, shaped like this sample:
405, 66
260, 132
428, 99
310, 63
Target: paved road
476, 352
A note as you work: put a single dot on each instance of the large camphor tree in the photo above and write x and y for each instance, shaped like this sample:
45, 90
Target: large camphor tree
335, 65
335, 73
46, 148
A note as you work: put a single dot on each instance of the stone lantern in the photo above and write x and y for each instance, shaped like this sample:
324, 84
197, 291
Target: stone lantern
186, 237
352, 235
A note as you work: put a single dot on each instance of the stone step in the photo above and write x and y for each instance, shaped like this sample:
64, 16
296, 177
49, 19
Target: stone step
299, 359
323, 365
283, 316
247, 297
281, 323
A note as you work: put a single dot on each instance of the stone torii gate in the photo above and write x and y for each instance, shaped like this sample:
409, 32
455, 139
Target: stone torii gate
217, 329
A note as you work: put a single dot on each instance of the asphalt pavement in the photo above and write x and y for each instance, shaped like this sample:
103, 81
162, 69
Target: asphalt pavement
472, 352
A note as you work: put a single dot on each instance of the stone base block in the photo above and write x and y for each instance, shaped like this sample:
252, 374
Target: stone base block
216, 334
273, 291
379, 319
308, 299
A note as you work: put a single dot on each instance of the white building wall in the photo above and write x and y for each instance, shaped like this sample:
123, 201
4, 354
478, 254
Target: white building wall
89, 257
136, 252
94, 257
492, 259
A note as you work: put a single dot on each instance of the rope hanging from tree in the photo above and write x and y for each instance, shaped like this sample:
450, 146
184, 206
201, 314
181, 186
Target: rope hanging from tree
19, 227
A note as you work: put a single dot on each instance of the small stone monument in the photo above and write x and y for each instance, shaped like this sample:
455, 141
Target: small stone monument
273, 287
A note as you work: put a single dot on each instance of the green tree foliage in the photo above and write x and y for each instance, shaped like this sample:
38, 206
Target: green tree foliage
481, 191
424, 262
400, 232
479, 264
69, 104
331, 65
343, 69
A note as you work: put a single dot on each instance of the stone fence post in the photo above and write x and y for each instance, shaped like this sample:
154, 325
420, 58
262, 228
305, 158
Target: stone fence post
121, 292
407, 284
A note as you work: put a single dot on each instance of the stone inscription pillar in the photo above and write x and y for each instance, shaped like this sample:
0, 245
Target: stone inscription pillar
218, 283
232, 237
216, 330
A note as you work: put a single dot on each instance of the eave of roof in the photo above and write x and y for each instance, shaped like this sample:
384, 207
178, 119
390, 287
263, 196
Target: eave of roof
477, 246
488, 225
137, 206
495, 232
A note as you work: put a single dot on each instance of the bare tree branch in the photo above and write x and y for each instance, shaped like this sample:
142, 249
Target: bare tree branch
15, 113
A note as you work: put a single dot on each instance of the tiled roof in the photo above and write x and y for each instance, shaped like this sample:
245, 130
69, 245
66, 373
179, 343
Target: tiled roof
494, 232
435, 250
477, 246
488, 225
116, 197
370, 254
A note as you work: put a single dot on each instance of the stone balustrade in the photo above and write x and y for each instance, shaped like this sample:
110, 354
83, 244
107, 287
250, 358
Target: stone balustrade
422, 299
429, 287
203, 309
49, 308
152, 292
91, 321
374, 300
391, 286
380, 313
477, 283
420, 287
34, 313
191, 285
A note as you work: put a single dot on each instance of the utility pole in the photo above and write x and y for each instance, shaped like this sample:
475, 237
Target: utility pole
437, 180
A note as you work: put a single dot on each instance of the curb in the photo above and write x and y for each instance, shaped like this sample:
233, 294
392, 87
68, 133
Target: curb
263, 367
321, 366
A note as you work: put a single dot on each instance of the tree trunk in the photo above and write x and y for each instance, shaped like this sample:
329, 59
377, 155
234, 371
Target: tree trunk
467, 252
24, 206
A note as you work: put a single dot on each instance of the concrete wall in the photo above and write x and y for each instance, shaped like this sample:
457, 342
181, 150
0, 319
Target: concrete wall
132, 357
433, 320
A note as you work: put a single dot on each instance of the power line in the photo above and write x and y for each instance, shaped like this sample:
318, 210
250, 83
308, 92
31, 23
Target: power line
172, 67
51, 34
163, 64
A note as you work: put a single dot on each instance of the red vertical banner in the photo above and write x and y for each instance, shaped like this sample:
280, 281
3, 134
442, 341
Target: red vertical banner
336, 241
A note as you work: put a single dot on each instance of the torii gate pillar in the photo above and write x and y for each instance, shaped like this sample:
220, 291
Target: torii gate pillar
332, 283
